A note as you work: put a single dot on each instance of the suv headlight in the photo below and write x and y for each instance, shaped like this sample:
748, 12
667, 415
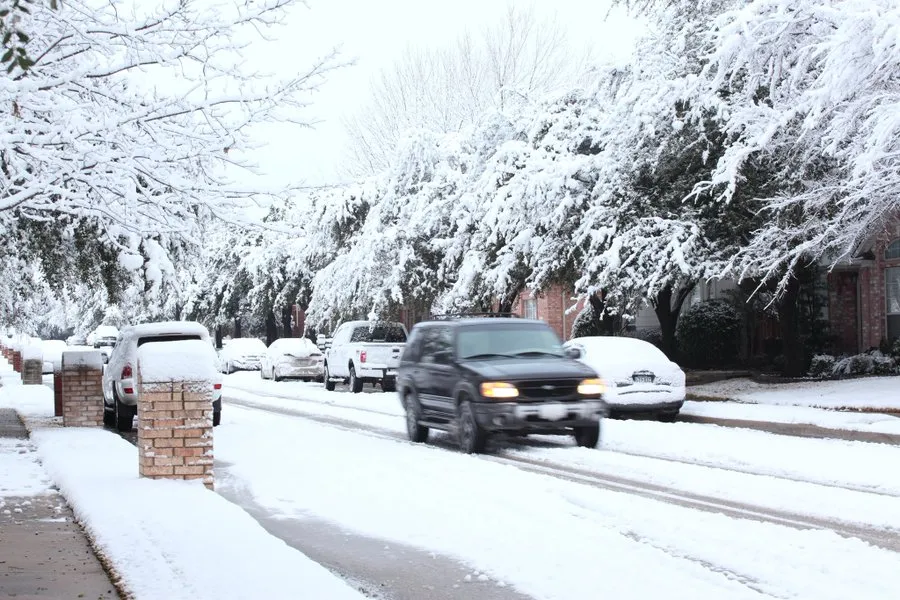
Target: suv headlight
591, 387
499, 389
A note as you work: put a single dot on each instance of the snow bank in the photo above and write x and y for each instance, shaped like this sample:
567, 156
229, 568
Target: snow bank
32, 352
186, 360
173, 539
82, 358
32, 400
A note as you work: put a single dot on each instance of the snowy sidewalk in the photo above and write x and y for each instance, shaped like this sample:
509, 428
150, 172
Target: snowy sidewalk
163, 539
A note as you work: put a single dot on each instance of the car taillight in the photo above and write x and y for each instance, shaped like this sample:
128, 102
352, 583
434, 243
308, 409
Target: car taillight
217, 386
128, 390
362, 356
126, 371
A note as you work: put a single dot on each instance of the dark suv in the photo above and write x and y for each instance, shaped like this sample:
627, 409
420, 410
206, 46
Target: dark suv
478, 376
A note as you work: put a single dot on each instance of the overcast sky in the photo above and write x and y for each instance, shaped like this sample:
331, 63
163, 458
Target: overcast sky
375, 33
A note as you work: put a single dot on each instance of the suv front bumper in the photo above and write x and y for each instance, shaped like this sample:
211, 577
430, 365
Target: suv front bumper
538, 416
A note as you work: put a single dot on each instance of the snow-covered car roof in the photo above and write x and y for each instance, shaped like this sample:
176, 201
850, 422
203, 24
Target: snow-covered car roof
168, 328
289, 344
244, 344
106, 331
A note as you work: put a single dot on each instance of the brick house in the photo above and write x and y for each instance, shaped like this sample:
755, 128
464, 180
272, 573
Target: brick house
864, 294
556, 305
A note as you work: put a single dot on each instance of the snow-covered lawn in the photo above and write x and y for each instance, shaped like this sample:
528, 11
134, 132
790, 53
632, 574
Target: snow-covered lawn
166, 539
867, 393
550, 538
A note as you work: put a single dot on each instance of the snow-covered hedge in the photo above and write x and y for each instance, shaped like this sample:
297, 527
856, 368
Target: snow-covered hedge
707, 334
874, 362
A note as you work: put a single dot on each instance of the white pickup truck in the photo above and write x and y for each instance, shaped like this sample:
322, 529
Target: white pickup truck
365, 351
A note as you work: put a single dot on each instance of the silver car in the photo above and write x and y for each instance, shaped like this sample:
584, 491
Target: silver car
293, 358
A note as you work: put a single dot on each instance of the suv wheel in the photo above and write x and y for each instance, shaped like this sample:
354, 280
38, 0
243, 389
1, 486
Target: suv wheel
472, 438
326, 377
587, 436
417, 433
217, 418
356, 383
124, 416
109, 415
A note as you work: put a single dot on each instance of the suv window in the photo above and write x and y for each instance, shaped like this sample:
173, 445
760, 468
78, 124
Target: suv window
413, 349
166, 338
507, 341
381, 332
437, 340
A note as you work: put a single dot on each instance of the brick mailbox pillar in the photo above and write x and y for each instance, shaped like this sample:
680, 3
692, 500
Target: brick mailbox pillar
175, 438
81, 383
17, 361
57, 391
32, 371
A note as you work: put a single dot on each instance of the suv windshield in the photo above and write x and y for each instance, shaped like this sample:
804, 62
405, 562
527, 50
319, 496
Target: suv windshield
518, 341
381, 332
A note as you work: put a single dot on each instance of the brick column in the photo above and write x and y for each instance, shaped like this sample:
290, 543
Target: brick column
32, 371
175, 435
17, 361
82, 389
57, 392
5, 352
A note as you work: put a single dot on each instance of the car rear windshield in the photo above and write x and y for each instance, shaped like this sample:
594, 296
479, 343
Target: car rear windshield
166, 338
382, 332
498, 342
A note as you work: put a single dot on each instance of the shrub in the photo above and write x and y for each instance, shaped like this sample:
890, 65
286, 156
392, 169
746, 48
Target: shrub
707, 334
822, 365
651, 334
584, 324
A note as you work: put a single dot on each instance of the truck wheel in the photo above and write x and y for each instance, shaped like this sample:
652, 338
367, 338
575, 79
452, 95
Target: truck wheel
355, 382
326, 377
587, 436
417, 433
389, 384
472, 438
124, 416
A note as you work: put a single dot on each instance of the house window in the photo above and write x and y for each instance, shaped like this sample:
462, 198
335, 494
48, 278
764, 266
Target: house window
531, 308
892, 297
893, 250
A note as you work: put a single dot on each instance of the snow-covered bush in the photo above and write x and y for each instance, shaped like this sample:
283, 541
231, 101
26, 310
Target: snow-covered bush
708, 333
584, 324
821, 365
869, 363
650, 334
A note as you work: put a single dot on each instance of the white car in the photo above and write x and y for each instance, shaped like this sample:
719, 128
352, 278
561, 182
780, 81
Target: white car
52, 351
121, 374
242, 354
292, 357
639, 377
365, 351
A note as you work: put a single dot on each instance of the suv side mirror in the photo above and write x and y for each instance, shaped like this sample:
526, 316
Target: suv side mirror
573, 352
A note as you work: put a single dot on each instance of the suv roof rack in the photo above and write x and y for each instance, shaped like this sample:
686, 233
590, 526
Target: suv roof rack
473, 315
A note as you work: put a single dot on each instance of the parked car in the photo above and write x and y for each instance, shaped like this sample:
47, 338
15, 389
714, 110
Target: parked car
365, 352
76, 340
640, 378
242, 354
103, 338
480, 376
120, 376
292, 357
52, 351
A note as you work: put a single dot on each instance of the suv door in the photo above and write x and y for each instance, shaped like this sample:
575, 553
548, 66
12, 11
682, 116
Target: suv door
438, 370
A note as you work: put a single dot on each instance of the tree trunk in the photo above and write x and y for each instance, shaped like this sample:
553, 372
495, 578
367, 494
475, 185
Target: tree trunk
271, 328
218, 336
237, 327
286, 314
790, 330
668, 314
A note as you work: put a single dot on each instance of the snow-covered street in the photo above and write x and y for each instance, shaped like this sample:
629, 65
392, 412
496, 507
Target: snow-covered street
718, 512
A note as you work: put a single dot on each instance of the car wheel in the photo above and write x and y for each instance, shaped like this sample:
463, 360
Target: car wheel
228, 369
124, 416
217, 418
668, 417
109, 415
389, 384
275, 376
326, 377
356, 384
417, 433
472, 438
587, 436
